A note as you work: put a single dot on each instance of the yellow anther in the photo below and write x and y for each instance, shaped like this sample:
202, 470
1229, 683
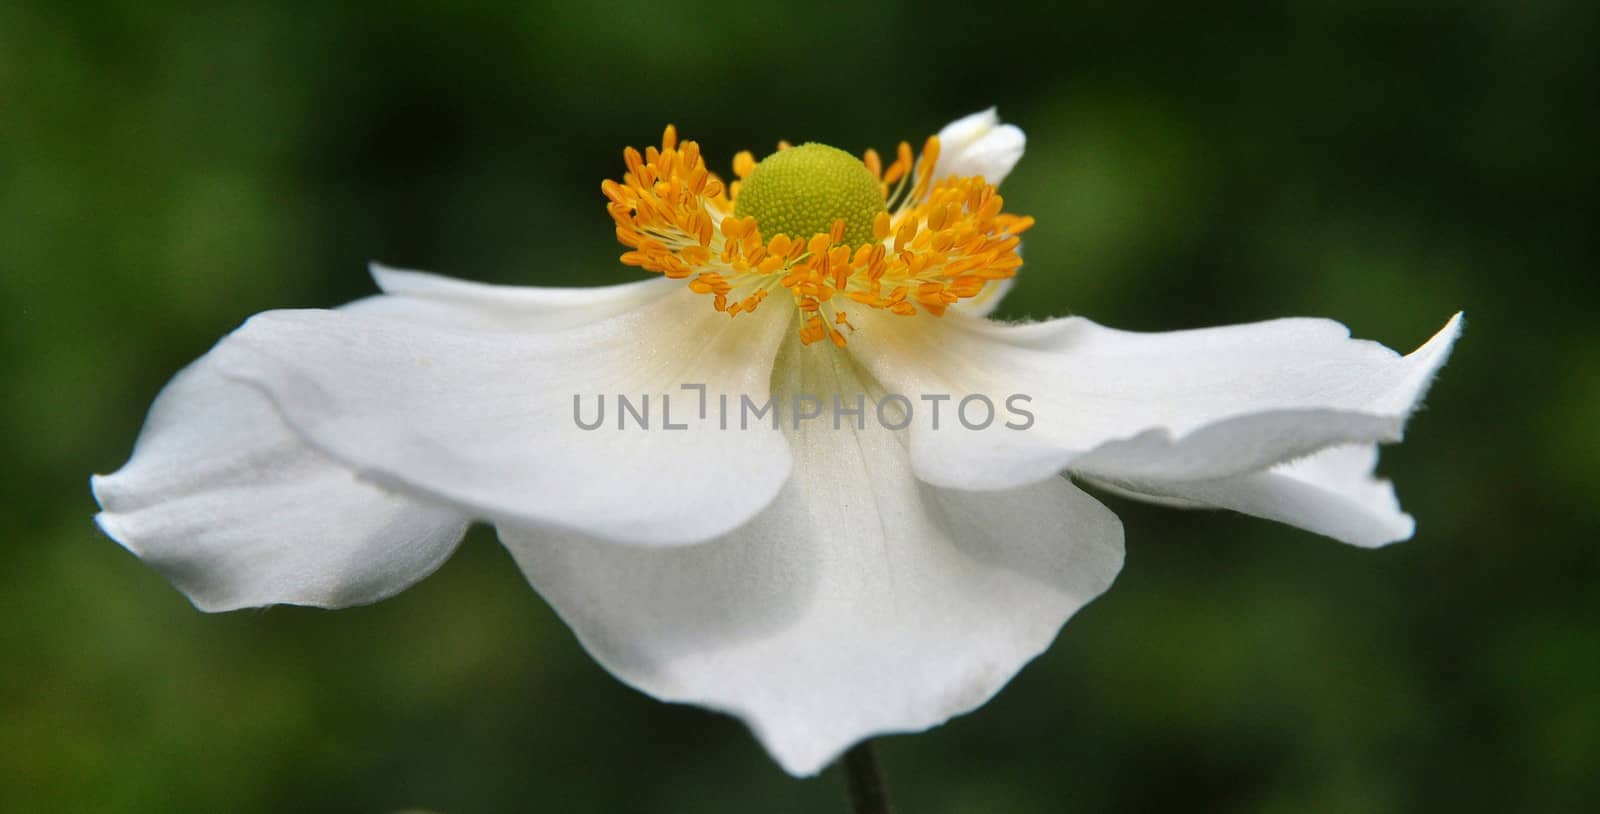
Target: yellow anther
818, 244
903, 238
743, 164
874, 162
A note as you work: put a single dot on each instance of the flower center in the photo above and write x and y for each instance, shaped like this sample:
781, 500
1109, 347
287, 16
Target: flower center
801, 191
815, 227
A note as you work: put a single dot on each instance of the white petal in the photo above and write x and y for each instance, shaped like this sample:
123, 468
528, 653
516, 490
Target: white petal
1333, 493
224, 499
987, 300
484, 419
449, 302
1122, 406
979, 145
860, 602
227, 503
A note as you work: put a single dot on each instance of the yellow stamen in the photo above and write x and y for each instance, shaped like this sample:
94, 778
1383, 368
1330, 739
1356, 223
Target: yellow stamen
862, 238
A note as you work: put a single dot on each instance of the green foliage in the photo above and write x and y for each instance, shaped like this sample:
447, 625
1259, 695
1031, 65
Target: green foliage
167, 171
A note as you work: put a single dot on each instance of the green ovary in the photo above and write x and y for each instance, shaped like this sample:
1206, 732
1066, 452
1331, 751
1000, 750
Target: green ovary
801, 191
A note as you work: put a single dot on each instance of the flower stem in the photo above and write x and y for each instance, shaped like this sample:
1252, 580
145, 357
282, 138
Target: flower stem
863, 777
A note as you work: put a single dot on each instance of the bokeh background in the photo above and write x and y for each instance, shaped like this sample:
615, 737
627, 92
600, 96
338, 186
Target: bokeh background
166, 171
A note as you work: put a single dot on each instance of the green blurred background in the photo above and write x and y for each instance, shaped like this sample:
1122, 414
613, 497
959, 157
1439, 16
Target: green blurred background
167, 171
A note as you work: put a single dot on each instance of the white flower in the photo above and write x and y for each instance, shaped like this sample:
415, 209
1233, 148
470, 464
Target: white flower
826, 582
